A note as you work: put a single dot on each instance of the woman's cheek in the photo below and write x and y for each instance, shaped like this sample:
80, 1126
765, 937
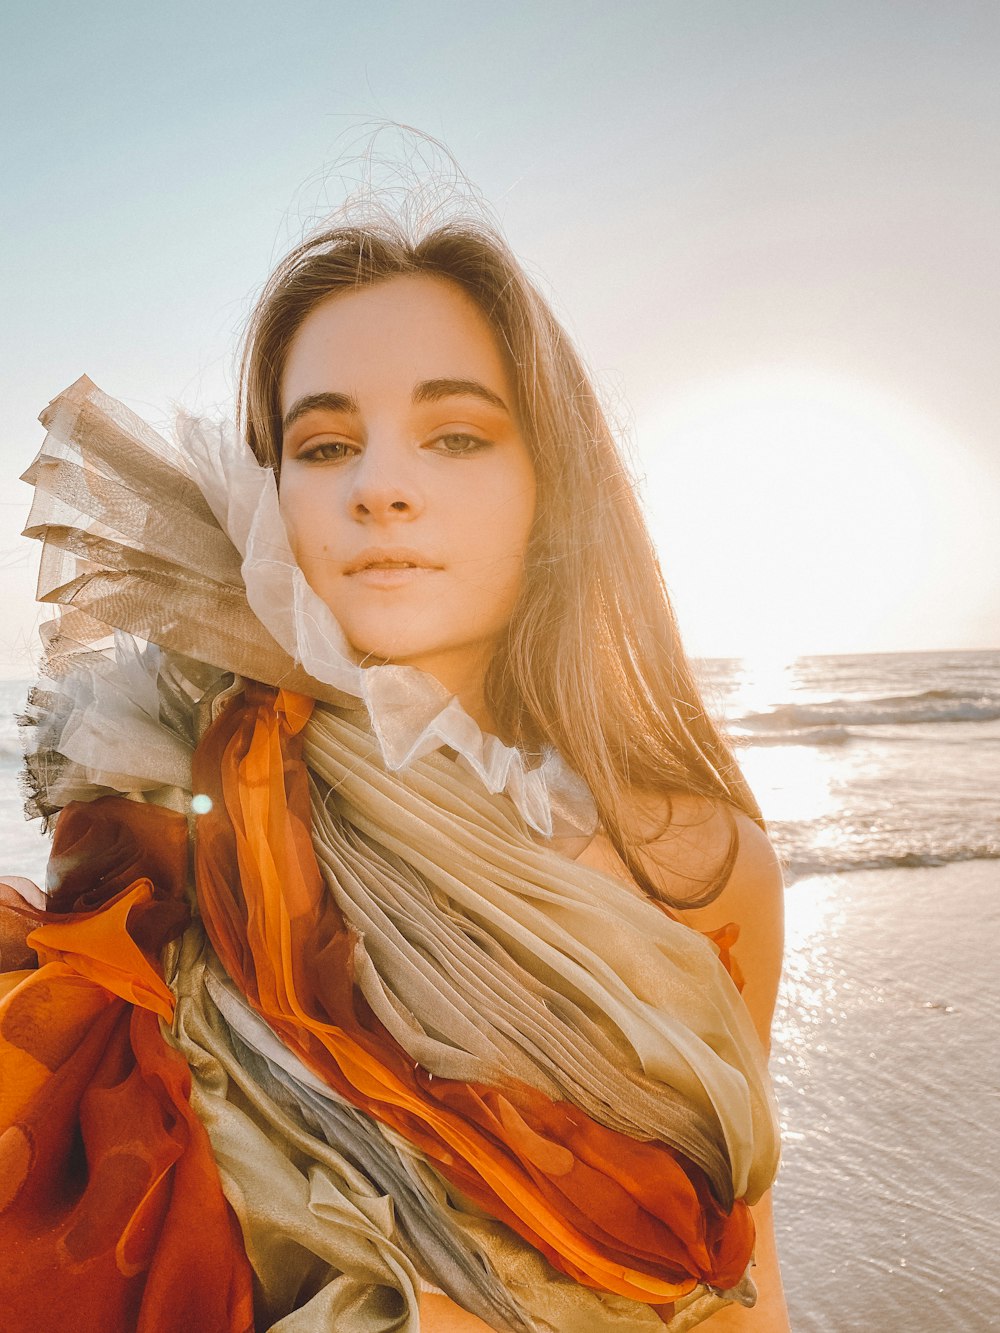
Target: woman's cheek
306, 512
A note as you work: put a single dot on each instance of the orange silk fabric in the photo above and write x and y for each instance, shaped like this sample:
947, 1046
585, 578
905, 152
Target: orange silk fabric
111, 1212
614, 1213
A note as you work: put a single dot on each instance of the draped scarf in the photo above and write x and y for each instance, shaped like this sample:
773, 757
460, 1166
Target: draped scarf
376, 1033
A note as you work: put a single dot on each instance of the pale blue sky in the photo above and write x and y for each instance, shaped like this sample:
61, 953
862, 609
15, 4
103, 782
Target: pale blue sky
717, 196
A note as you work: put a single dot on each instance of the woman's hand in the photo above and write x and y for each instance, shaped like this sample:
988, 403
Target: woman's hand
770, 1314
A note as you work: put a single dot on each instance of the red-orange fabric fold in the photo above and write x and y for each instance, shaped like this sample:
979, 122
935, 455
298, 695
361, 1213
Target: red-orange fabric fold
112, 1215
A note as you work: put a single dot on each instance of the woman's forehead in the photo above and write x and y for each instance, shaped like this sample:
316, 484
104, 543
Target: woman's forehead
399, 333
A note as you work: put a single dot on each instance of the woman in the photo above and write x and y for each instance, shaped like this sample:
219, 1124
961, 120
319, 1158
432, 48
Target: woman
448, 1059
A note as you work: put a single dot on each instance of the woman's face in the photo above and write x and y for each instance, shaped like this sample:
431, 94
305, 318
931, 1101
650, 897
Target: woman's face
406, 487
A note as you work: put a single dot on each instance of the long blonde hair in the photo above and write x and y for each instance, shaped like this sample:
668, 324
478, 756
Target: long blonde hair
592, 662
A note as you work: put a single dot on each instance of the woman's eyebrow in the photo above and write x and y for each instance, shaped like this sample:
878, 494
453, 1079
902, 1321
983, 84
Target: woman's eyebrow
429, 391
314, 402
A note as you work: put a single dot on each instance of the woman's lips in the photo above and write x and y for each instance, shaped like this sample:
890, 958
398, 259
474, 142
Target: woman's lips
390, 575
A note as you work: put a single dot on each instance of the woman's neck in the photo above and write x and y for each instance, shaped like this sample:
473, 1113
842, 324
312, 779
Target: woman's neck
464, 676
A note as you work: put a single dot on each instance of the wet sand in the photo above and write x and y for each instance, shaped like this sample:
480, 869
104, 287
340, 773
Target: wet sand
886, 1060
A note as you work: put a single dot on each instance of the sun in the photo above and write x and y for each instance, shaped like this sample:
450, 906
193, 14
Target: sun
791, 510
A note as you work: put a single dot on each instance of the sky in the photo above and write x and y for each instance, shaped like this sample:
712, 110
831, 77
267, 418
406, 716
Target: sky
771, 228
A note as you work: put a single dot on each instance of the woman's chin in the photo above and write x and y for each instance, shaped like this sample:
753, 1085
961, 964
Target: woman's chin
460, 670
382, 653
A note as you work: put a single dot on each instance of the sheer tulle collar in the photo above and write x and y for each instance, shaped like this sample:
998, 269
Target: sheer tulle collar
181, 542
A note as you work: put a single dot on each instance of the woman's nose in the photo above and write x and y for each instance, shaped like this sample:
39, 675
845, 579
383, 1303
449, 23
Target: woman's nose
383, 485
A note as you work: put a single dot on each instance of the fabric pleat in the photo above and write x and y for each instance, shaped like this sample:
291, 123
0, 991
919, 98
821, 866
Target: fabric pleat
128, 535
482, 1265
612, 1212
321, 1239
532, 930
432, 1238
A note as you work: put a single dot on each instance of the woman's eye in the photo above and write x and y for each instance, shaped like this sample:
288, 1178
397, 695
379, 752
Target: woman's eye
327, 450
461, 444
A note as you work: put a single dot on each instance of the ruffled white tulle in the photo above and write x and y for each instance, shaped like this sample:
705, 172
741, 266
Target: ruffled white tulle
412, 714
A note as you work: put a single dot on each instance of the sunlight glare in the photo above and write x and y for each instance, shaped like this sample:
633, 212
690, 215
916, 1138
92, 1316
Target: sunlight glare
790, 510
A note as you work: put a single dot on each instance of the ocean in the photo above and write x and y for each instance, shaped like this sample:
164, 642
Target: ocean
879, 777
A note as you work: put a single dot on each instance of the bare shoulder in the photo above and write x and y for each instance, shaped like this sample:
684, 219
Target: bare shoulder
686, 838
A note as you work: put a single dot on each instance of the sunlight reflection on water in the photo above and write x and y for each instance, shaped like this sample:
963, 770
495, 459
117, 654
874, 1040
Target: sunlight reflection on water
791, 782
